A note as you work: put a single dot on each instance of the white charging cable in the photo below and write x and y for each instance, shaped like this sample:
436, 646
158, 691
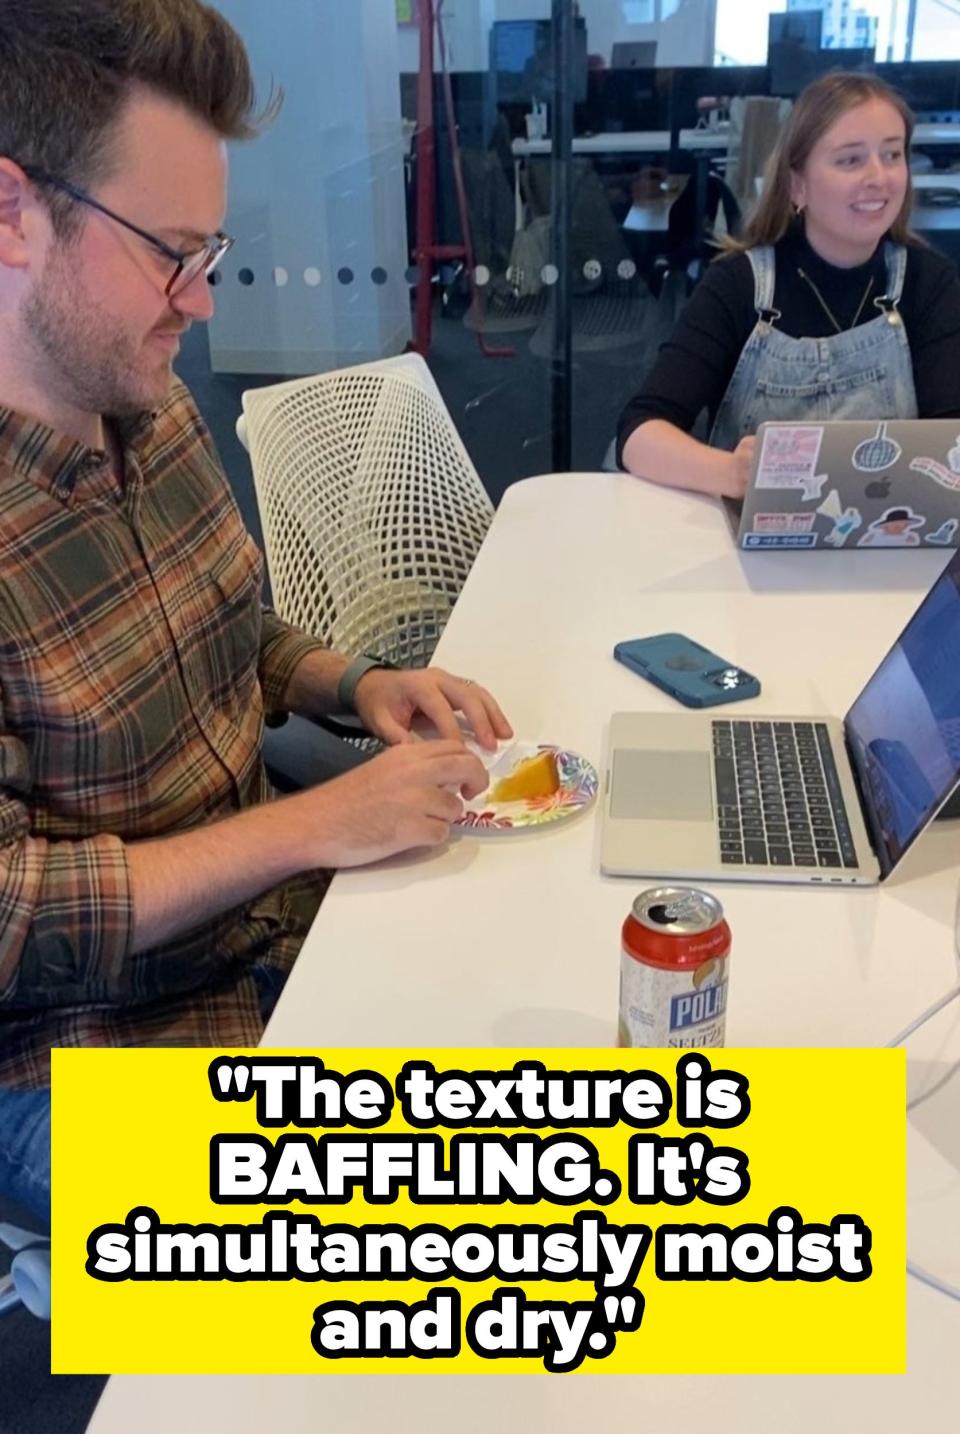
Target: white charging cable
942, 1286
951, 1291
925, 1016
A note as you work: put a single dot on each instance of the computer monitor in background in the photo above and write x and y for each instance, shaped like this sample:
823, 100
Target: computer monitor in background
621, 100
634, 55
792, 68
521, 58
930, 87
796, 27
689, 84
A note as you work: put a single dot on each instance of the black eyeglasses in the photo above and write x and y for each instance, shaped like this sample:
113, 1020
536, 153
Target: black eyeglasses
188, 266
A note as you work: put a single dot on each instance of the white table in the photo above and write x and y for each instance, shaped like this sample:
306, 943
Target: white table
652, 215
514, 941
642, 141
933, 1146
657, 141
700, 142
926, 217
572, 564
927, 134
926, 1398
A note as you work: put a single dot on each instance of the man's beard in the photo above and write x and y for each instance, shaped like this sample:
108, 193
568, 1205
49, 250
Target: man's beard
80, 353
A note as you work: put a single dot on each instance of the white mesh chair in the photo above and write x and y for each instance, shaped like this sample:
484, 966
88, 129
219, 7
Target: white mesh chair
372, 512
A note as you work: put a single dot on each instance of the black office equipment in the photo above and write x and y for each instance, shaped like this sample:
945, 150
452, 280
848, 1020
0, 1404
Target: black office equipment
690, 83
521, 58
634, 55
930, 87
792, 67
620, 100
796, 27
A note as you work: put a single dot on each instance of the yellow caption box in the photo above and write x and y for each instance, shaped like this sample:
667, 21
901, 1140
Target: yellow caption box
604, 1254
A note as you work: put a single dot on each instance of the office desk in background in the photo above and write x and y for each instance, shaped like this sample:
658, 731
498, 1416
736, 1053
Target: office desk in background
651, 216
644, 141
701, 143
714, 141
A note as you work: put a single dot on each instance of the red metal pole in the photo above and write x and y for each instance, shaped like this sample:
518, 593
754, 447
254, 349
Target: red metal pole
426, 182
476, 293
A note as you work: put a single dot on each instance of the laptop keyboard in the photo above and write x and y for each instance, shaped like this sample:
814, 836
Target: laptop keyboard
778, 796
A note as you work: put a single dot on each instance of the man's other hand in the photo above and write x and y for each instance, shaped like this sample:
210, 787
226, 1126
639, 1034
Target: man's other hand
389, 702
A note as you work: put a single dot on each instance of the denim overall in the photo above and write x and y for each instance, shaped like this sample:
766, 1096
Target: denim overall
863, 373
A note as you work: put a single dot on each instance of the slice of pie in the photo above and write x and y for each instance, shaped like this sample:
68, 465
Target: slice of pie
533, 777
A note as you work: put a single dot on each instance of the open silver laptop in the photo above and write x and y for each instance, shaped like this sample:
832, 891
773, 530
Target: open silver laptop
852, 485
633, 55
728, 795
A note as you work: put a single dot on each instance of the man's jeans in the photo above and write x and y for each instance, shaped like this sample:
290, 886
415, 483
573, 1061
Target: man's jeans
25, 1149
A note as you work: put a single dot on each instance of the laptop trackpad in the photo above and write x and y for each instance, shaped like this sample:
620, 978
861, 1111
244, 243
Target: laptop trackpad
648, 786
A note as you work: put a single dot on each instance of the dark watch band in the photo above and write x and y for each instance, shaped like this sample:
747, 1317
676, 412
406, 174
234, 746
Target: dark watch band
359, 667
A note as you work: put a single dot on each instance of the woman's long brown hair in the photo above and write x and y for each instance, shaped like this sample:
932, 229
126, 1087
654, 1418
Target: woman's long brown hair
818, 107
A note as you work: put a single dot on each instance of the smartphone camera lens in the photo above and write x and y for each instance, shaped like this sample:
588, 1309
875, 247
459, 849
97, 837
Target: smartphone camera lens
728, 679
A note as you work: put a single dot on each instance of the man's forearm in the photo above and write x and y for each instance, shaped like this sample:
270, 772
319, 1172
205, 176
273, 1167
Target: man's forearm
312, 690
404, 798
179, 882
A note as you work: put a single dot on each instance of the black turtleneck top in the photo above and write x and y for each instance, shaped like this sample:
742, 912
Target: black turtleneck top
695, 365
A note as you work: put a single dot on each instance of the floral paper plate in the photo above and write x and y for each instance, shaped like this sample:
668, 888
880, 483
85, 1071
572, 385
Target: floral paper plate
578, 787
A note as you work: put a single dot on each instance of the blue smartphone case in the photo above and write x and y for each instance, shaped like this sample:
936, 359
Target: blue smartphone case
693, 674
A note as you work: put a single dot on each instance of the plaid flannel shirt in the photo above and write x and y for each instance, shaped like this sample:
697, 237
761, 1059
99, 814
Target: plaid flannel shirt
135, 665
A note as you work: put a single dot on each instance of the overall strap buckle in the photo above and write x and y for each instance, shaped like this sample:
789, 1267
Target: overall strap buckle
890, 308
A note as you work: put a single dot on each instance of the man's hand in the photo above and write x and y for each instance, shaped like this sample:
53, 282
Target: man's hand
406, 797
388, 702
741, 465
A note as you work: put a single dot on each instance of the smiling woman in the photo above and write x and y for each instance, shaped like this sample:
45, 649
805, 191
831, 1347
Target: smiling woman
846, 142
827, 305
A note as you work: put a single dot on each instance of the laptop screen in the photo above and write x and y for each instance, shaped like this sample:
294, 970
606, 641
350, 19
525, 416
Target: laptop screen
903, 731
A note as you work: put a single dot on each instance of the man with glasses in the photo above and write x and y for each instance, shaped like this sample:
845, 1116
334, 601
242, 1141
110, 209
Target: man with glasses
150, 893
187, 266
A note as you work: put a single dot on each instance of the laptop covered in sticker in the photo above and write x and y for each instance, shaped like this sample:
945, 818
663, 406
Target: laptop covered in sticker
852, 484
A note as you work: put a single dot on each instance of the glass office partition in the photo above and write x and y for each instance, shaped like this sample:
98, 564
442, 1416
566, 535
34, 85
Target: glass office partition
935, 29
587, 273
420, 189
895, 29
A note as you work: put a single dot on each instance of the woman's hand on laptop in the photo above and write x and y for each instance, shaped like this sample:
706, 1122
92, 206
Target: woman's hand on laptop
740, 468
